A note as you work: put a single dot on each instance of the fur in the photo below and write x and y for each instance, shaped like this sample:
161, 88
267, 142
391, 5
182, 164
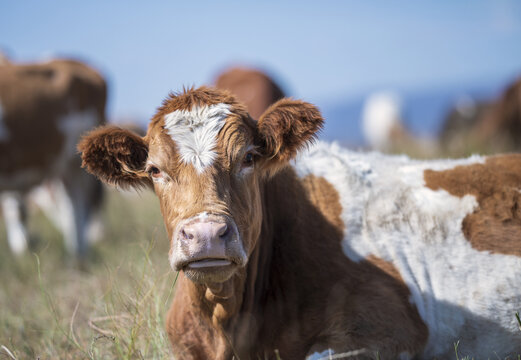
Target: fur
195, 133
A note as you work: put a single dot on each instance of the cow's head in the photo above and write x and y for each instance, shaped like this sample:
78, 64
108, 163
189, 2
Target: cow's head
206, 159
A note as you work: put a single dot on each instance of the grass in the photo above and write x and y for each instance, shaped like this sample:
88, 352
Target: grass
112, 308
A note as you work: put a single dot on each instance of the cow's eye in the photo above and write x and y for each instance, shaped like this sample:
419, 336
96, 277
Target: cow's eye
248, 159
154, 172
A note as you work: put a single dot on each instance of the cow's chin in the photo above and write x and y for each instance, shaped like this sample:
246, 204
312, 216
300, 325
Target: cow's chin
207, 273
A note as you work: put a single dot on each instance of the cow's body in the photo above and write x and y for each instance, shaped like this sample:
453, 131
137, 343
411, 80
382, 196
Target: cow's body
43, 110
376, 256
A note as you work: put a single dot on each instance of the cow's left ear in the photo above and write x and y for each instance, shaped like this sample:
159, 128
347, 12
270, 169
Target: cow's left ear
286, 127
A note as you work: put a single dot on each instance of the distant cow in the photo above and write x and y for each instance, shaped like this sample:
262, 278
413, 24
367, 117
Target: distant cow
43, 110
486, 126
471, 126
384, 129
252, 87
375, 256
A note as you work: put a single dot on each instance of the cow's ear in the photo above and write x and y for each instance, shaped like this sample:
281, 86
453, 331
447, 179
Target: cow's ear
116, 156
286, 127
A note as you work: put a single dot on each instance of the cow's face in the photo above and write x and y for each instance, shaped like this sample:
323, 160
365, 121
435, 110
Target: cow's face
207, 160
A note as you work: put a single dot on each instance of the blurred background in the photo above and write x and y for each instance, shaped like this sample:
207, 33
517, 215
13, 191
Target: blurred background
430, 79
333, 53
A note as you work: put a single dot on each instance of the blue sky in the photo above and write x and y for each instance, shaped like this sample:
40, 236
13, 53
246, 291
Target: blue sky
321, 51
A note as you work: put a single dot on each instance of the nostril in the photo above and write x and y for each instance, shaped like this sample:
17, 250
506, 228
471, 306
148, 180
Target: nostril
186, 235
223, 232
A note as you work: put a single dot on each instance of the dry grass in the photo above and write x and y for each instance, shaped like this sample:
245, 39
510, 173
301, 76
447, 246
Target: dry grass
113, 308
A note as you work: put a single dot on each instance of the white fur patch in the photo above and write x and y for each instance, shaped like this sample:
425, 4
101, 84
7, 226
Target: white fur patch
16, 233
461, 293
53, 199
195, 133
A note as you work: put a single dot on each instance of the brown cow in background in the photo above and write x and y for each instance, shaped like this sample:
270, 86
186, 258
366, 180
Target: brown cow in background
44, 107
252, 87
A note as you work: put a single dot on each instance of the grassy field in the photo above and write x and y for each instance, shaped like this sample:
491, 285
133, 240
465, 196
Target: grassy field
113, 308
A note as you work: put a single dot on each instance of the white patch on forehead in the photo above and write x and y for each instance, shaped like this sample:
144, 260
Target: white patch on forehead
195, 132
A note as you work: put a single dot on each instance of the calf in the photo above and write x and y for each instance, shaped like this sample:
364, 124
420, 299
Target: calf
43, 110
339, 252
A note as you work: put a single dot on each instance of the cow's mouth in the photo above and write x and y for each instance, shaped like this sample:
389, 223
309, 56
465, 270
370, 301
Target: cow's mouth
210, 270
207, 263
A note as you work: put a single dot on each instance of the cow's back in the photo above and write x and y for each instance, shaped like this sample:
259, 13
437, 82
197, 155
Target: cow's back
450, 229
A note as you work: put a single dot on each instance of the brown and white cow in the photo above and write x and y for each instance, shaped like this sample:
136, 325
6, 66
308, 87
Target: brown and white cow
337, 252
44, 108
254, 88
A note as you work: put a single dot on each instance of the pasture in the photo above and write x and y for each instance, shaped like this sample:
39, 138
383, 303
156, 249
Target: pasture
111, 307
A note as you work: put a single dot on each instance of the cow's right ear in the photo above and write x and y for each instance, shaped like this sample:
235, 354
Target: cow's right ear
116, 156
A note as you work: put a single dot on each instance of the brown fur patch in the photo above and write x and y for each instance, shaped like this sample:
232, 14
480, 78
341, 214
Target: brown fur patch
400, 289
495, 226
326, 198
116, 156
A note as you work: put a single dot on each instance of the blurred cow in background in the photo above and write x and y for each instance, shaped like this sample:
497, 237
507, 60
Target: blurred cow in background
44, 108
471, 126
485, 126
252, 87
459, 123
384, 130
